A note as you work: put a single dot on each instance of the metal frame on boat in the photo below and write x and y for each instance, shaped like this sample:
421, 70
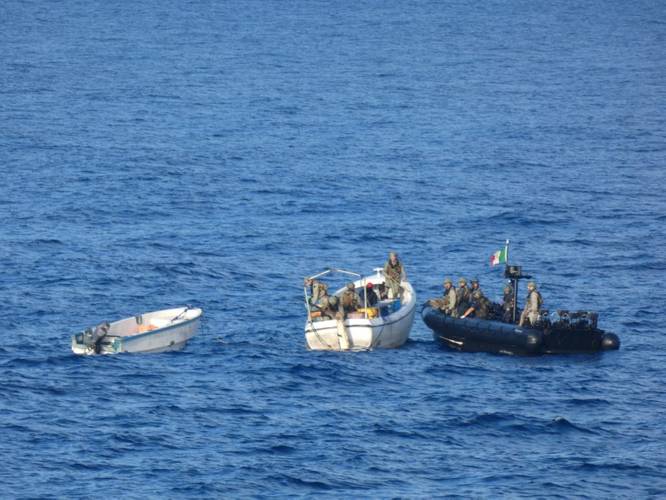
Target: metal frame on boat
389, 329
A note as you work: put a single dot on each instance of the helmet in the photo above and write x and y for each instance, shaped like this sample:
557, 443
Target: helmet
350, 285
448, 280
462, 281
531, 284
475, 280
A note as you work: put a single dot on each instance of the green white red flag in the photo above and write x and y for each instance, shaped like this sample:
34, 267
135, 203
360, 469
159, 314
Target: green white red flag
499, 257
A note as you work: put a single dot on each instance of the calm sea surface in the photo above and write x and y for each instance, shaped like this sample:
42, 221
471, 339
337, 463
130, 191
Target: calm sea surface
162, 153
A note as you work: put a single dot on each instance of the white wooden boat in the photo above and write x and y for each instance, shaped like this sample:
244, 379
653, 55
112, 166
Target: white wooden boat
389, 328
158, 331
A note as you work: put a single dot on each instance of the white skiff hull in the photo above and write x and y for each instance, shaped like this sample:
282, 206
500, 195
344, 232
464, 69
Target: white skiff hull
363, 334
155, 332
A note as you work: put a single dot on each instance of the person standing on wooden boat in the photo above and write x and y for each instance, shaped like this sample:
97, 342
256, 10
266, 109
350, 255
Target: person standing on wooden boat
394, 273
447, 304
507, 304
349, 300
463, 297
479, 306
533, 304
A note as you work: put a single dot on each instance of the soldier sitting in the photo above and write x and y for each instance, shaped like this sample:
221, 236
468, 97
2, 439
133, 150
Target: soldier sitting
447, 304
349, 300
322, 300
462, 297
474, 285
507, 304
479, 307
329, 307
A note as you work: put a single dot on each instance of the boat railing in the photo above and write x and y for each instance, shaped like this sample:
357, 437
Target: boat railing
332, 270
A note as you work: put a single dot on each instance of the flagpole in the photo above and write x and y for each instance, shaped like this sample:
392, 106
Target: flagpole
514, 285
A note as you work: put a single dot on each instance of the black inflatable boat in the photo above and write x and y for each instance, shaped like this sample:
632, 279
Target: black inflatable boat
570, 333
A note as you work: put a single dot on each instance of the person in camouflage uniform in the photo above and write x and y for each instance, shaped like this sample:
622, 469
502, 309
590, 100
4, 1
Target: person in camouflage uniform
447, 304
533, 304
479, 306
463, 297
317, 290
507, 304
474, 285
329, 307
394, 273
349, 300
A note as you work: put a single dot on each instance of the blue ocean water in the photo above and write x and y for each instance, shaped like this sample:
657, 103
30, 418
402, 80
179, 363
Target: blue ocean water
155, 154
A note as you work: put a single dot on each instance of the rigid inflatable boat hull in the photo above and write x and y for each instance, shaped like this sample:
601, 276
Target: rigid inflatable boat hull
476, 335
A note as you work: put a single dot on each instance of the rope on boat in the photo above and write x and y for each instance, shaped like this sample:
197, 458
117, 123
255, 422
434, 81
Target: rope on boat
187, 308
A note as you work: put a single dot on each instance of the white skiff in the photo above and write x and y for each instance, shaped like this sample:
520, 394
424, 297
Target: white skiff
387, 325
158, 331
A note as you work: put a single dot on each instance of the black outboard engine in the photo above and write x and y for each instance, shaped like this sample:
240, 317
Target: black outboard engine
93, 338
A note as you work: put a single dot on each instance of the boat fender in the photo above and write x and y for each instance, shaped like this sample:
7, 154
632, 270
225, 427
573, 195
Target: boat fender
610, 342
139, 319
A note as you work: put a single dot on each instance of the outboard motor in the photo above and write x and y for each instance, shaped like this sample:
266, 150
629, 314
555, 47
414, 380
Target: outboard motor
93, 338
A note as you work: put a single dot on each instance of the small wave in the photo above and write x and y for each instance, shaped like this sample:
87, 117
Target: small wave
46, 241
561, 424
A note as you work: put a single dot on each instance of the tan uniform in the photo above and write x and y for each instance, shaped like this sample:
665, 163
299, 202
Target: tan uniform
349, 301
532, 308
447, 304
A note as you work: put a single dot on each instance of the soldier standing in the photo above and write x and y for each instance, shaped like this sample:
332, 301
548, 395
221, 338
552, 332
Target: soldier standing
533, 304
394, 273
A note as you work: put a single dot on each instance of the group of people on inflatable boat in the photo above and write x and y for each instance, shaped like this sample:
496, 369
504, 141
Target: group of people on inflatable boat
464, 302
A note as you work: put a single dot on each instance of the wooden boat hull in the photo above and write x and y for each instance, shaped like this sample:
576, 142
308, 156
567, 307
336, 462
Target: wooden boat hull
474, 335
155, 332
389, 331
